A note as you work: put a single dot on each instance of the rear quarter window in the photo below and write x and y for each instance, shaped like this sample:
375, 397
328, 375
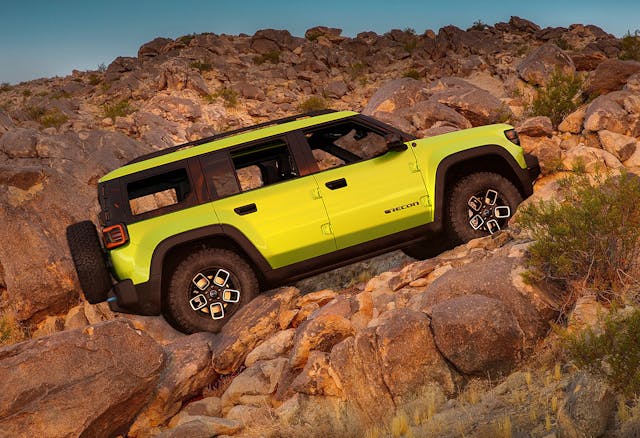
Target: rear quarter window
159, 192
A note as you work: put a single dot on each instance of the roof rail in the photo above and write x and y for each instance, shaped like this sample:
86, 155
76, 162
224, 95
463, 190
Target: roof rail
230, 133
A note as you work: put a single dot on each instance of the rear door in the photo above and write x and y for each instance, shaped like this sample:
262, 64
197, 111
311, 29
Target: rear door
261, 193
368, 193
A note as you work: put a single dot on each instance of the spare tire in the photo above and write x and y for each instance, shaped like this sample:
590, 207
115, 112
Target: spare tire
88, 259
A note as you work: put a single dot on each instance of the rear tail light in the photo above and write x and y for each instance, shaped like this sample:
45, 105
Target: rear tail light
512, 136
114, 236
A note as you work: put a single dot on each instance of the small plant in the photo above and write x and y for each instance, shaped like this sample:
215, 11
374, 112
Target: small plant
53, 119
26, 93
273, 57
412, 73
314, 103
559, 98
202, 66
229, 95
357, 70
4, 87
313, 36
563, 44
478, 25
591, 240
630, 46
411, 44
60, 94
102, 67
10, 330
410, 30
118, 109
186, 39
94, 79
613, 354
400, 426
35, 112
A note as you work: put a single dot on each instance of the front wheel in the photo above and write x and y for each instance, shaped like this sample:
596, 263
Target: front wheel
480, 204
207, 288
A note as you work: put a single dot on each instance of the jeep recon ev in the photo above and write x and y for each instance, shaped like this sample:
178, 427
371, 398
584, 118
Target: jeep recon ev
195, 231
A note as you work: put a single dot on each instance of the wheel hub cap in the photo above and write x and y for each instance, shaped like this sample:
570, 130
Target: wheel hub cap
488, 211
212, 292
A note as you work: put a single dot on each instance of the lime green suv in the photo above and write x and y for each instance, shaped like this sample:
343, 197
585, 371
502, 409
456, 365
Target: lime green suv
195, 231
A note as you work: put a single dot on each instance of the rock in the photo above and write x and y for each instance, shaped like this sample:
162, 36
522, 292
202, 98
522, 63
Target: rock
522, 25
478, 106
425, 114
276, 345
539, 126
20, 143
153, 48
384, 366
609, 112
331, 33
591, 159
6, 124
209, 406
321, 334
317, 377
75, 318
259, 379
250, 91
270, 40
321, 298
49, 326
588, 407
633, 83
88, 382
622, 146
248, 327
499, 278
396, 94
187, 371
336, 89
478, 335
538, 67
586, 313
202, 427
573, 122
610, 75
158, 328
547, 150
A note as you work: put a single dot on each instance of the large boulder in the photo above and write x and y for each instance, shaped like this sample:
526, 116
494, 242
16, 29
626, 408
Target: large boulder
477, 334
153, 48
396, 94
383, 366
610, 75
622, 146
321, 334
618, 111
6, 124
250, 326
538, 67
477, 105
88, 382
188, 370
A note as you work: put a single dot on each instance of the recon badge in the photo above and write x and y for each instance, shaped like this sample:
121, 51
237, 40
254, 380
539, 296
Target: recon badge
402, 207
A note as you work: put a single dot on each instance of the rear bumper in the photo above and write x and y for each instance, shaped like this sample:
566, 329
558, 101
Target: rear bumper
533, 166
139, 299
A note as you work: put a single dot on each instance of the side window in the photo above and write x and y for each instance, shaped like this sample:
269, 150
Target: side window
344, 143
158, 191
263, 165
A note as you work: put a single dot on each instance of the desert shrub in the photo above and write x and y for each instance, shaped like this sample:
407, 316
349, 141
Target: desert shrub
357, 70
118, 109
630, 46
35, 112
314, 103
478, 25
10, 330
186, 39
612, 352
273, 57
60, 94
201, 65
4, 87
102, 67
312, 36
27, 93
411, 73
560, 97
590, 240
229, 95
53, 118
94, 79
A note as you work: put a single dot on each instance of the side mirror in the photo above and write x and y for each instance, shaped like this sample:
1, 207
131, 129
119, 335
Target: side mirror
395, 143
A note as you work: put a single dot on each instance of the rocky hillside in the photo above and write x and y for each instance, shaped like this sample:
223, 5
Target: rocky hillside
332, 362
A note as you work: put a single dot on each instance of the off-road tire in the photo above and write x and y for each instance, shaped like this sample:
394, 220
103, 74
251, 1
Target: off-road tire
89, 261
178, 311
457, 215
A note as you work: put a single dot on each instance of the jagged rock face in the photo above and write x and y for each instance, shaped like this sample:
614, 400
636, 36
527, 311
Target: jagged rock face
610, 75
89, 382
538, 67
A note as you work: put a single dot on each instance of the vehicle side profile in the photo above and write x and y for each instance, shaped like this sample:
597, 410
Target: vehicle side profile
195, 231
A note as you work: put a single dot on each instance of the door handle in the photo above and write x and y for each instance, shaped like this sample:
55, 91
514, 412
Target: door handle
336, 184
246, 209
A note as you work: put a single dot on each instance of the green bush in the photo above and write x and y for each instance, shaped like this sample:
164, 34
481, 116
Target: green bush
478, 25
5, 86
613, 352
560, 97
53, 118
273, 57
630, 46
94, 79
229, 95
357, 70
118, 109
412, 73
314, 103
590, 240
35, 112
202, 66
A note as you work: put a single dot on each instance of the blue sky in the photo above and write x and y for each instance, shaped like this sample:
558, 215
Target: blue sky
49, 38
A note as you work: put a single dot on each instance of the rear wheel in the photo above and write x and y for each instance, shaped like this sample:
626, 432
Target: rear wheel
88, 259
207, 288
479, 205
